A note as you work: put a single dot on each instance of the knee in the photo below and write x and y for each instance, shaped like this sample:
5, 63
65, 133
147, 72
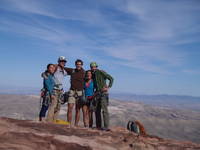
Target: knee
78, 107
105, 111
69, 110
77, 110
85, 113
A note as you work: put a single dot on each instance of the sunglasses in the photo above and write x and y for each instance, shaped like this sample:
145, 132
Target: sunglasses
62, 61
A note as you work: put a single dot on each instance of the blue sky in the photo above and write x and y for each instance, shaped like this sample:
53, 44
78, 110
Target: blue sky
148, 46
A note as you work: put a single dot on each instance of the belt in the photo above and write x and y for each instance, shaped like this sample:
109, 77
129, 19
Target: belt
58, 89
75, 89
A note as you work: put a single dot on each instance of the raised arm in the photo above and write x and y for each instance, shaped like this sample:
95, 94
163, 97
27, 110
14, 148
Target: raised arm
69, 70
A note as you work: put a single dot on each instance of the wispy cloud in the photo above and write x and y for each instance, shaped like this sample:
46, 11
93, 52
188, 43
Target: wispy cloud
147, 35
192, 72
58, 10
157, 29
154, 58
165, 20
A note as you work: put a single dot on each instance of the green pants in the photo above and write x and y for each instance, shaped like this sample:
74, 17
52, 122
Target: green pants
55, 105
102, 106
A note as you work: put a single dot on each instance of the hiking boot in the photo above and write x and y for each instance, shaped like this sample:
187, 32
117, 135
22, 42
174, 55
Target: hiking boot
42, 119
98, 128
105, 129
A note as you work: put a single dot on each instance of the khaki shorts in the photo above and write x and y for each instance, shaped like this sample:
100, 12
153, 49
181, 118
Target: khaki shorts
73, 96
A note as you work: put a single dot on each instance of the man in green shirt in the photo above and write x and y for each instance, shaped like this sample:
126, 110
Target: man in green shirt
100, 77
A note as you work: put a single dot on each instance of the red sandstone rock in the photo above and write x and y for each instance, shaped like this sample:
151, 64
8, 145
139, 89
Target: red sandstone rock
30, 135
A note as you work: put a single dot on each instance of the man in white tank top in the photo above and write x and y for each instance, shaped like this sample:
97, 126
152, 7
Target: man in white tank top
59, 75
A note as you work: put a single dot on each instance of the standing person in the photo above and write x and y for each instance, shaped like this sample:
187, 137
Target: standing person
100, 77
55, 105
48, 86
89, 94
76, 90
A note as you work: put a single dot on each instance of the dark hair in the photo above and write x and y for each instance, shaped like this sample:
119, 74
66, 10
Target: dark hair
86, 79
49, 66
88, 71
78, 60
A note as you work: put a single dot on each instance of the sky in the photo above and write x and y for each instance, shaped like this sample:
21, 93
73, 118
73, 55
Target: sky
148, 46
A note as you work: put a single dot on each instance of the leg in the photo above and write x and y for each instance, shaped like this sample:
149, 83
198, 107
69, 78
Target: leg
43, 112
91, 109
104, 106
58, 106
78, 106
85, 115
77, 116
71, 102
69, 112
52, 107
57, 110
90, 118
98, 114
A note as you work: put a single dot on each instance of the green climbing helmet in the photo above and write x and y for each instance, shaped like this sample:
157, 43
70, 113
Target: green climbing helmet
93, 64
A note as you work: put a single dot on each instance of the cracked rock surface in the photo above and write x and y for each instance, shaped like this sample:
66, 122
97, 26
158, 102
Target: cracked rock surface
32, 135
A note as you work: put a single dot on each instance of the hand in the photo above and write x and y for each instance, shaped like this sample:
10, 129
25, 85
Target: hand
42, 93
105, 89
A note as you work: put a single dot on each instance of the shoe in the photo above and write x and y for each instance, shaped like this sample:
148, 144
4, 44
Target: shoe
105, 129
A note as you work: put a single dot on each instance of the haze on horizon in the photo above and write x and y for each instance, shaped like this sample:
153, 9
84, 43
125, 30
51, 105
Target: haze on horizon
150, 47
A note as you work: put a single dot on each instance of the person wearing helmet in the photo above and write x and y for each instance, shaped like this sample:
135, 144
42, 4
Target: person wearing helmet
60, 72
57, 93
100, 77
76, 90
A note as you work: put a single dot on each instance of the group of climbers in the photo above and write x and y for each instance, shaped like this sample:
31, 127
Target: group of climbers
88, 91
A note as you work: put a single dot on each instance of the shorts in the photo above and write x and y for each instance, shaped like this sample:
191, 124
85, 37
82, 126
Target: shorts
74, 96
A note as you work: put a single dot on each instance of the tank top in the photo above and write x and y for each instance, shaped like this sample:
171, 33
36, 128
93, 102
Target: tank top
89, 88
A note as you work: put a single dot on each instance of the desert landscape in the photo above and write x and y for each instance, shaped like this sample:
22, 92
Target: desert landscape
165, 122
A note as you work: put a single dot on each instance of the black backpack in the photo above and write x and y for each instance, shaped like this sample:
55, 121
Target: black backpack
133, 127
64, 98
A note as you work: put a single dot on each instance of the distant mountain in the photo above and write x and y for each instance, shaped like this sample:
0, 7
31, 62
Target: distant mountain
19, 90
169, 101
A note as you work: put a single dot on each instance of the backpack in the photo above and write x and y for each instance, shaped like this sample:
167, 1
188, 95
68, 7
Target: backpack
132, 126
136, 127
64, 98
